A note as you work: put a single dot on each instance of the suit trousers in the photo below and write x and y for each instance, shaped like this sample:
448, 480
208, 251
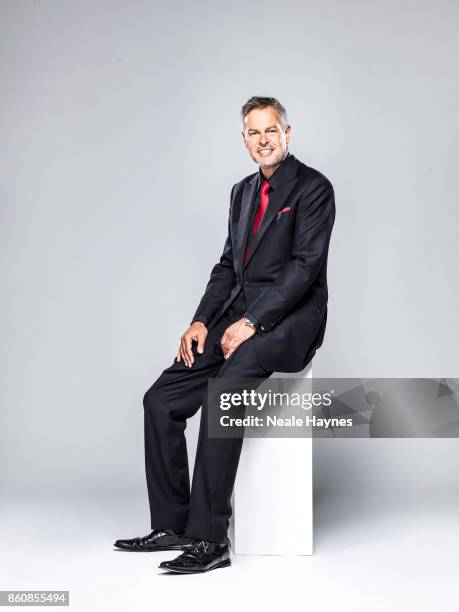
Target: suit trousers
178, 393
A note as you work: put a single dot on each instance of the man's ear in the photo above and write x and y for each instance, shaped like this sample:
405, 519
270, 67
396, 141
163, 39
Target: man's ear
288, 131
243, 138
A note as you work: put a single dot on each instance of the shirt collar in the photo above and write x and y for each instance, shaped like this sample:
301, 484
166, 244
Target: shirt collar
275, 180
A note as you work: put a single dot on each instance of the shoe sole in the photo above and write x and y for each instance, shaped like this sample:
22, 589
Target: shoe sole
157, 549
225, 563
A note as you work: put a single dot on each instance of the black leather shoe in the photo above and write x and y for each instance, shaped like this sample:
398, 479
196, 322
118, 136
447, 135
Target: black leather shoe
201, 556
158, 539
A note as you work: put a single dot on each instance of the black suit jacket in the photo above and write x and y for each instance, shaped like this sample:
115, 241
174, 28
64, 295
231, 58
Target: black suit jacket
285, 276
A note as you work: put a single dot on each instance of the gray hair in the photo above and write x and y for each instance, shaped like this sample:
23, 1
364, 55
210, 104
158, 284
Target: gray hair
263, 102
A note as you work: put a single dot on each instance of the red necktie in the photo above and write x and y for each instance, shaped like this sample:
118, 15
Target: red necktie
264, 201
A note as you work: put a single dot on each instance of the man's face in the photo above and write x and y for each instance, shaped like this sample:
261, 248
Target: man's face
264, 137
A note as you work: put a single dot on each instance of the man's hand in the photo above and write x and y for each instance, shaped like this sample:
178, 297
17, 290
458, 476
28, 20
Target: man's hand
234, 336
197, 331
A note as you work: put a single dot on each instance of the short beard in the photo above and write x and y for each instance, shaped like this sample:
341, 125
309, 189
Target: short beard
275, 162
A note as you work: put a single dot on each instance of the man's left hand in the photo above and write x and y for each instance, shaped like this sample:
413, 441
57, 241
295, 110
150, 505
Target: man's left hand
234, 336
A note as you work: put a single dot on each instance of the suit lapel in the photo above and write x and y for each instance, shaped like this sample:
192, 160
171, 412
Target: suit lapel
248, 196
277, 200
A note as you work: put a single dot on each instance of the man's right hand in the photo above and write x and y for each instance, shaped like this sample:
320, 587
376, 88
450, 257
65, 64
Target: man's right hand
197, 331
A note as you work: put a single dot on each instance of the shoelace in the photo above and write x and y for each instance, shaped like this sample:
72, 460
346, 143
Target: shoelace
195, 550
156, 533
195, 545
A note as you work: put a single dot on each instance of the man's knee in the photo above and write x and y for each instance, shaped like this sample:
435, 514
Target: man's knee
151, 400
157, 406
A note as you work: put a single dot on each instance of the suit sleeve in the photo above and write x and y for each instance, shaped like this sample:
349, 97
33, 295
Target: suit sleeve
313, 227
222, 280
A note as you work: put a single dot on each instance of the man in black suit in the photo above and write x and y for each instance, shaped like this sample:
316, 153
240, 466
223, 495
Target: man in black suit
264, 310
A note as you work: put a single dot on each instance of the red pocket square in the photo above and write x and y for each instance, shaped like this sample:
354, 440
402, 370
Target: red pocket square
286, 209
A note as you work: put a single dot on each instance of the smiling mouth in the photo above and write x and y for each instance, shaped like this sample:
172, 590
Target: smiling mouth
265, 152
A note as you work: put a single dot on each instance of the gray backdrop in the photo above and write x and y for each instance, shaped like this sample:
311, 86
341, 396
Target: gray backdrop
120, 141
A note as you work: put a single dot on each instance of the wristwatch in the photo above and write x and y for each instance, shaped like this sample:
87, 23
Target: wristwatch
250, 323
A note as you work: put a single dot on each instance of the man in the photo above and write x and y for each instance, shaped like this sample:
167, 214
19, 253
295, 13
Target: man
264, 310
